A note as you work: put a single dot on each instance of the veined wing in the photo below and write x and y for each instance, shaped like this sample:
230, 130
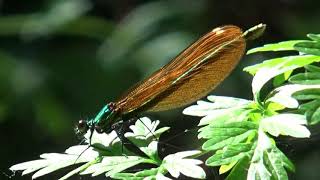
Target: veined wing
191, 75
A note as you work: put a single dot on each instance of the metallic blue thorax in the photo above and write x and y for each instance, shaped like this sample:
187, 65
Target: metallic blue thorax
104, 114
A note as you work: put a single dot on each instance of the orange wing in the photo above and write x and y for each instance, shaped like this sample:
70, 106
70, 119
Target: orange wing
191, 75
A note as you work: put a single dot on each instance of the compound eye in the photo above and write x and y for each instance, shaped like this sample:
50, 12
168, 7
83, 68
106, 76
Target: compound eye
82, 127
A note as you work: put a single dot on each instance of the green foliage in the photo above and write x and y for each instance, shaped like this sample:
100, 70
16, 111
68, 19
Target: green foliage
268, 162
309, 47
281, 46
239, 134
107, 156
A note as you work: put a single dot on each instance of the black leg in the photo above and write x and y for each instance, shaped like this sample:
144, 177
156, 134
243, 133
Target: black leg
121, 128
148, 128
90, 138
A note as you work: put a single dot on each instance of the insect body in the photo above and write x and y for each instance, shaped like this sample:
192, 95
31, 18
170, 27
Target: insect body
191, 75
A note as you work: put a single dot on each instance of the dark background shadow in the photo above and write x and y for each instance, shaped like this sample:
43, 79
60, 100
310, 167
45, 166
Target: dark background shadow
61, 61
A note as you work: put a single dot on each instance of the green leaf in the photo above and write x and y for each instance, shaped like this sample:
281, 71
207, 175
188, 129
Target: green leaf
113, 164
229, 154
225, 115
226, 129
308, 47
265, 64
177, 163
286, 124
283, 94
268, 162
283, 63
145, 129
144, 134
311, 110
305, 78
125, 176
151, 150
53, 161
240, 170
148, 172
315, 37
222, 140
280, 79
106, 155
222, 109
315, 118
274, 67
284, 159
204, 108
281, 46
227, 102
307, 94
145, 174
274, 165
79, 169
225, 168
273, 106
312, 68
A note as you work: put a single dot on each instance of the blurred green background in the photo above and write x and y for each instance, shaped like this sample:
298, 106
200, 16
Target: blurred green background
62, 60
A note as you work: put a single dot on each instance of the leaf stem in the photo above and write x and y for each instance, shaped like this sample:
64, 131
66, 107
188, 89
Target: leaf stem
81, 168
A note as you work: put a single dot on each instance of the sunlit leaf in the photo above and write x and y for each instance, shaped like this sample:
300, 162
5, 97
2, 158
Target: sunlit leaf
113, 164
104, 156
286, 124
227, 102
221, 128
177, 163
141, 128
217, 103
281, 46
267, 71
287, 62
225, 168
268, 162
284, 94
273, 106
53, 161
225, 115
